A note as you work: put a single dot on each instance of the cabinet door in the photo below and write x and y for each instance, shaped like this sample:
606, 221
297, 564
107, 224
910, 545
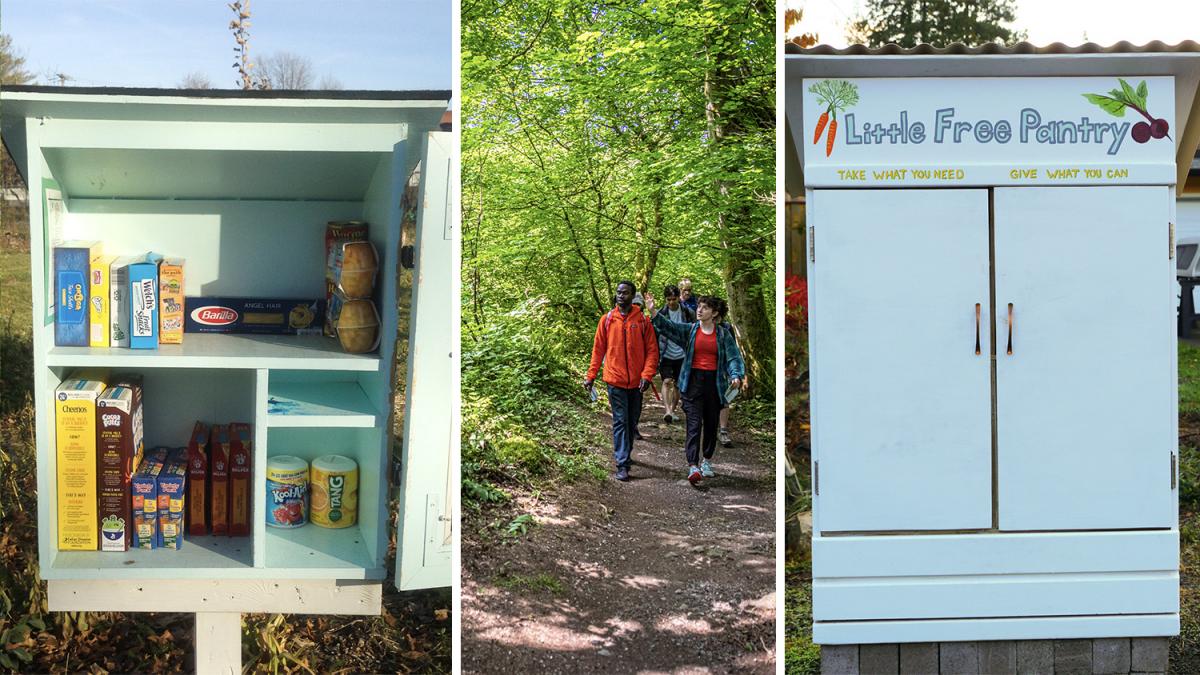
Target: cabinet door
1086, 400
425, 520
901, 398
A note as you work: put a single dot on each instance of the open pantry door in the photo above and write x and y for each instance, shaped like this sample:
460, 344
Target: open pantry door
424, 528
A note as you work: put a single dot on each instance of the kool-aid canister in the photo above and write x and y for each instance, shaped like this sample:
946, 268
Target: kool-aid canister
287, 491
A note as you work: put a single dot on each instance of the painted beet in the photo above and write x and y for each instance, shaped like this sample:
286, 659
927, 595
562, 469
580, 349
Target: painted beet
1141, 132
1159, 128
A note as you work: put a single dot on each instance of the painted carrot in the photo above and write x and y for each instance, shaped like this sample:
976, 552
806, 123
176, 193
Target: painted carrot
821, 126
832, 135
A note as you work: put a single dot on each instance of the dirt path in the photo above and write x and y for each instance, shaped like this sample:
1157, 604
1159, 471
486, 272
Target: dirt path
649, 576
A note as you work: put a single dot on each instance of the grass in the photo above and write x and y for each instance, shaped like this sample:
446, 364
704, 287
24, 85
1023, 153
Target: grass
542, 581
1189, 380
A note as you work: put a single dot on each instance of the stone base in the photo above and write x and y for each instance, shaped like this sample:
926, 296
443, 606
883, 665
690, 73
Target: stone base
1028, 657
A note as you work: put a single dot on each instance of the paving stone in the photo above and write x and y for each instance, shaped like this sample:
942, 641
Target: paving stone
959, 658
839, 660
1073, 657
1110, 655
879, 659
1035, 657
919, 658
998, 658
1149, 655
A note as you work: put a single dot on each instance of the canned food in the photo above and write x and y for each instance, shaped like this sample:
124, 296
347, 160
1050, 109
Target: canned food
334, 490
287, 491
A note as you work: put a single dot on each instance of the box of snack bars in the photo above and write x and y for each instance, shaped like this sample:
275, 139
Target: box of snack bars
98, 301
170, 301
143, 303
197, 498
336, 234
119, 451
172, 491
218, 513
72, 267
75, 453
118, 300
144, 488
240, 455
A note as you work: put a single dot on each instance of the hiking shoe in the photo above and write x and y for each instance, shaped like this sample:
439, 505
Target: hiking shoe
622, 474
706, 469
726, 441
694, 475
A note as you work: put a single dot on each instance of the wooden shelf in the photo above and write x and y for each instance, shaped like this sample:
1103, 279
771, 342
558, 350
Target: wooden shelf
318, 404
200, 558
312, 551
211, 350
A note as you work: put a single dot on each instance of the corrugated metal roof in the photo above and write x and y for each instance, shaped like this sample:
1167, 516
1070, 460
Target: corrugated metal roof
993, 49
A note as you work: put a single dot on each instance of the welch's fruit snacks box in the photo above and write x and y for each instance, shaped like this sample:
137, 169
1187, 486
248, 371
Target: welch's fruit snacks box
172, 490
143, 303
72, 268
119, 451
118, 300
144, 487
75, 453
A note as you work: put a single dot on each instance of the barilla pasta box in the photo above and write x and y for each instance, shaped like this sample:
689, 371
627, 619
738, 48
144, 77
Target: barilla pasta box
75, 453
144, 487
172, 493
72, 267
143, 303
170, 301
219, 494
197, 499
240, 454
118, 300
263, 316
119, 451
99, 304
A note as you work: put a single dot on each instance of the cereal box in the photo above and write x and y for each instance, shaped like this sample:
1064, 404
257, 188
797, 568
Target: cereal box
219, 492
337, 233
75, 453
240, 456
72, 267
170, 301
98, 300
119, 452
197, 499
118, 301
143, 304
144, 487
172, 490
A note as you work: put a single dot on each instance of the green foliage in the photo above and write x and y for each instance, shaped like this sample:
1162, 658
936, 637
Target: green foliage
936, 22
542, 581
1189, 379
520, 526
801, 656
1189, 480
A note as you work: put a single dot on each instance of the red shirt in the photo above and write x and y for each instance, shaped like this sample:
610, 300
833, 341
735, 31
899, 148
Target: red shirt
704, 354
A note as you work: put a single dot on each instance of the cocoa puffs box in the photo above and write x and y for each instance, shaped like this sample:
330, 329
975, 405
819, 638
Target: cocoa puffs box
268, 316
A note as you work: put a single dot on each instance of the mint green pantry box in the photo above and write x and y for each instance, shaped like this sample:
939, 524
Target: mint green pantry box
241, 184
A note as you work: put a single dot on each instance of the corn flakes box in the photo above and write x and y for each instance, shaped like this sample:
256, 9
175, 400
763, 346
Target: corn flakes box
75, 452
72, 269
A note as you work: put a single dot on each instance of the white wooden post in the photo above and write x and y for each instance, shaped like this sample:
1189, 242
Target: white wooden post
218, 643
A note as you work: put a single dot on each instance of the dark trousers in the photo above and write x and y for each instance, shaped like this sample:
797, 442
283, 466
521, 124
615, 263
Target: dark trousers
703, 408
626, 409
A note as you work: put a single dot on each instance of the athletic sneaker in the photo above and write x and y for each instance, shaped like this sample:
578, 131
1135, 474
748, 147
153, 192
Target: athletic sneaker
706, 469
694, 475
622, 474
726, 441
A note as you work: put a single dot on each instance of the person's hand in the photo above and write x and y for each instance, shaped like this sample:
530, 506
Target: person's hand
736, 383
587, 384
644, 385
649, 299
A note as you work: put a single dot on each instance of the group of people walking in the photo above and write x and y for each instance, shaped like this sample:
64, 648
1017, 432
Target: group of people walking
691, 346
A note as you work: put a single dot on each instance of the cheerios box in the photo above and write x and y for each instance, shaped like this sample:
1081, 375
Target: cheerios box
119, 452
144, 487
75, 456
172, 493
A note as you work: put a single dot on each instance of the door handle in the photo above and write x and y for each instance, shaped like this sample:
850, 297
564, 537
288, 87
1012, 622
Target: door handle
1010, 327
977, 350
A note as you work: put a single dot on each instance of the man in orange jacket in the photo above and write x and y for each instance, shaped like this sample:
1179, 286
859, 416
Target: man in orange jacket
627, 345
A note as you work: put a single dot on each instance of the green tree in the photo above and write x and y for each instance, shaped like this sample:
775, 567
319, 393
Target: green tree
936, 22
12, 64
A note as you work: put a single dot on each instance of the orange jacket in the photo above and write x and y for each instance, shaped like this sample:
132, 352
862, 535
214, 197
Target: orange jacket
628, 347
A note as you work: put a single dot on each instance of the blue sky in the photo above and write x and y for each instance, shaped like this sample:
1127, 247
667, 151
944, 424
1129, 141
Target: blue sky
365, 44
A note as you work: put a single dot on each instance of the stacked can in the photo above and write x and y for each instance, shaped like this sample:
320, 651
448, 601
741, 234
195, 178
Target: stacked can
334, 490
287, 491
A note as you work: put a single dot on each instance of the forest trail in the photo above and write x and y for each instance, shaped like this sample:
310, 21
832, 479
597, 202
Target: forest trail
649, 576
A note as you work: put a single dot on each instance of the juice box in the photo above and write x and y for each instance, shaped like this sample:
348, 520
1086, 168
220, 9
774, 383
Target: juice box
75, 453
118, 300
240, 454
170, 301
144, 487
219, 494
72, 266
172, 491
337, 233
99, 296
118, 453
143, 304
197, 499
